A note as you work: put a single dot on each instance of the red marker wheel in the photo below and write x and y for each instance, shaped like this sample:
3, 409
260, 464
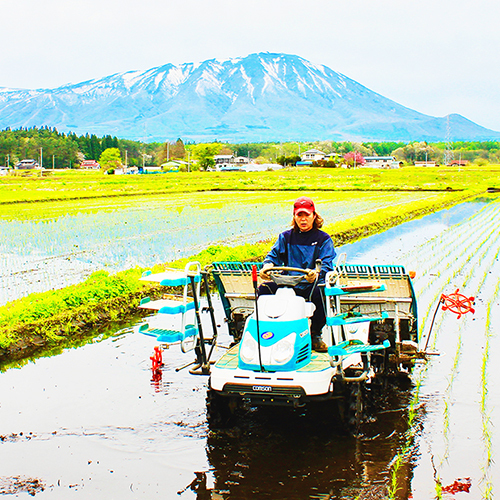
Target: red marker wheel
457, 303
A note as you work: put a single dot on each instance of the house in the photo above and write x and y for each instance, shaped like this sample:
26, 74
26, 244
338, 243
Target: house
311, 155
27, 165
90, 165
228, 163
4, 170
223, 161
380, 162
241, 160
332, 157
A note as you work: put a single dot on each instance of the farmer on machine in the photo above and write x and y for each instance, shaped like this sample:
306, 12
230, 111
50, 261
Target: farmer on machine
300, 247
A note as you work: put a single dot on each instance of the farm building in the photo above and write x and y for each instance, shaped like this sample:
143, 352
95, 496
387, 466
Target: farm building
172, 166
27, 165
426, 163
380, 162
458, 163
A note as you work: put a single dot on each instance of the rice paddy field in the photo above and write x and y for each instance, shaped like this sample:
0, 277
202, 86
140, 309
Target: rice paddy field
76, 184
457, 400
451, 445
106, 429
54, 244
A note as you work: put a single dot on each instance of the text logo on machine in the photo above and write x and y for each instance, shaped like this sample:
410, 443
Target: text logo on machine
267, 335
262, 388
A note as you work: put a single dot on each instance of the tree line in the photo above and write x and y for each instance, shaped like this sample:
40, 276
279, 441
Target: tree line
69, 150
54, 148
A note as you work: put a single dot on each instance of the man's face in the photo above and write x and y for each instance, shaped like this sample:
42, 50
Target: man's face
304, 220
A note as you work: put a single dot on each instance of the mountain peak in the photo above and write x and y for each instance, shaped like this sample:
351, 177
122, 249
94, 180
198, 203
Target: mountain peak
260, 97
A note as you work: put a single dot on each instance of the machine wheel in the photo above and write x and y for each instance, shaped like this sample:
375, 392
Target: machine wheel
351, 408
220, 410
355, 405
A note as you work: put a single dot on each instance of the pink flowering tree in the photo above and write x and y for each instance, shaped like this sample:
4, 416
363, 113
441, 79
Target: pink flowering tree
354, 158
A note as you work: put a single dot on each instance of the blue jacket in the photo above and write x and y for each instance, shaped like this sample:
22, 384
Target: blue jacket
297, 249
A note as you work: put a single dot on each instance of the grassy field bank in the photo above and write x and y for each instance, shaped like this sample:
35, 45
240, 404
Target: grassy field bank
74, 184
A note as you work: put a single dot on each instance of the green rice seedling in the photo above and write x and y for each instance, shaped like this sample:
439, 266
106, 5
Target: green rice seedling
395, 467
438, 488
488, 491
447, 398
404, 453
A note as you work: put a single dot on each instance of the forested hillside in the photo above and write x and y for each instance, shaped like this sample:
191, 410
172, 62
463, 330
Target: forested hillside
67, 150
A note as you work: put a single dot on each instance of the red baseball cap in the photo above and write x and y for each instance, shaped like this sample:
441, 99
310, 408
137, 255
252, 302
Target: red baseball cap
303, 204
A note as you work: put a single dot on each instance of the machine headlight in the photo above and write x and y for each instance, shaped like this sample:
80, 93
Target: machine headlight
248, 349
282, 351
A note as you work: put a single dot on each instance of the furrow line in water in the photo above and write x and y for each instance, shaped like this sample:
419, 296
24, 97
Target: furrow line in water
490, 282
453, 238
461, 243
465, 377
452, 265
486, 406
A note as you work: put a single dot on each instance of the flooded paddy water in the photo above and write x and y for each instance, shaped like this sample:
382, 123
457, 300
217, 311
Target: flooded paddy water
91, 422
56, 244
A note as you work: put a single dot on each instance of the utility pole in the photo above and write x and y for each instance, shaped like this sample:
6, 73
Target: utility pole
448, 154
53, 162
41, 158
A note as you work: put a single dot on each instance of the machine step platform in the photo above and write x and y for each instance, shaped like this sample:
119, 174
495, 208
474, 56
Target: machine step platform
353, 317
168, 336
170, 305
171, 277
353, 288
355, 346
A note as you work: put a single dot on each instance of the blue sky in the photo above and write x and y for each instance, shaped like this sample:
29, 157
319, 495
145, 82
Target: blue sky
434, 56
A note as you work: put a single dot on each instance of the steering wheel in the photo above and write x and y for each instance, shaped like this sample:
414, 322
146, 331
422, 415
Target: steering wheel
287, 280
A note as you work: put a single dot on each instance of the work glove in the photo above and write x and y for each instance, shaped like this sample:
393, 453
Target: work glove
263, 273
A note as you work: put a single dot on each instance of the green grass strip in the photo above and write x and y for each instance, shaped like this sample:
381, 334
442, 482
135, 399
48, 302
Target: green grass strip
73, 185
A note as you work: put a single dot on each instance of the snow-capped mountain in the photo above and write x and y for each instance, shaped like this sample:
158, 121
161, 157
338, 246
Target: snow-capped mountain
256, 98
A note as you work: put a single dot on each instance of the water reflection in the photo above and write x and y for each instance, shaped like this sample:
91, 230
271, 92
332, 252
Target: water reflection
297, 454
393, 244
